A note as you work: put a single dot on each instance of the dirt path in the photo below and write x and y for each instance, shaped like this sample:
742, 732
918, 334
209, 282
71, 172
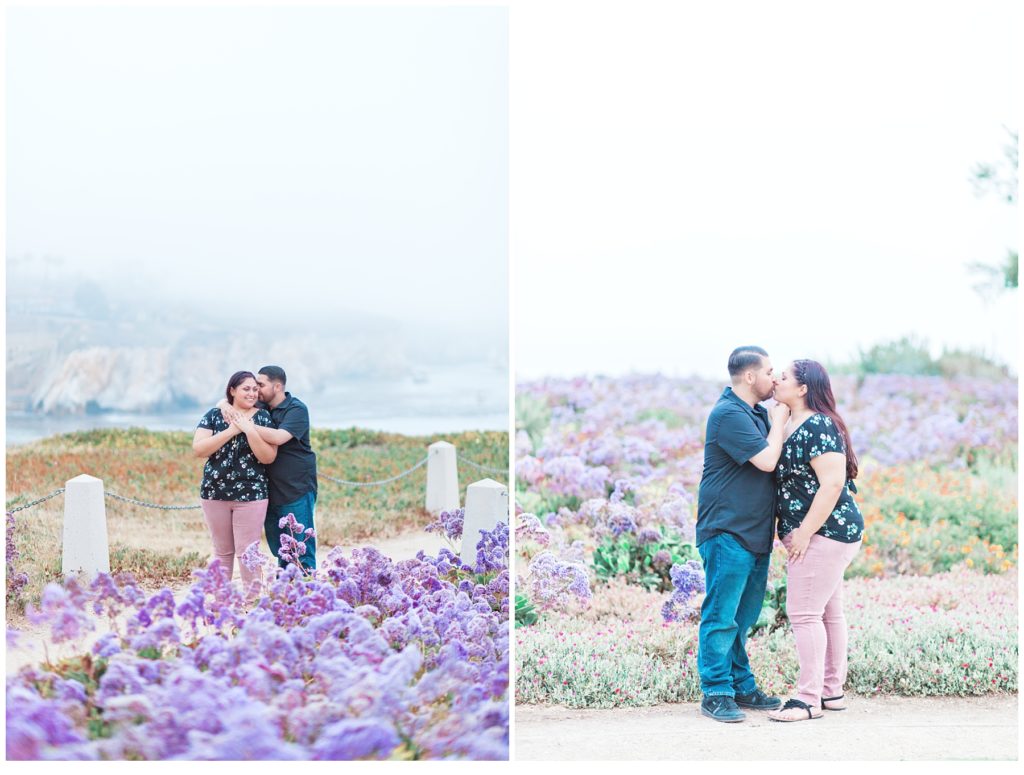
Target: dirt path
876, 729
29, 648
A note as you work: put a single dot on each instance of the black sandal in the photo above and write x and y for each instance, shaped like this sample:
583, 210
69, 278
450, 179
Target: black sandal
832, 699
796, 704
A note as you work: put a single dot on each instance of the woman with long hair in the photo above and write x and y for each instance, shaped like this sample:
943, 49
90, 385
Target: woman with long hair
233, 492
821, 527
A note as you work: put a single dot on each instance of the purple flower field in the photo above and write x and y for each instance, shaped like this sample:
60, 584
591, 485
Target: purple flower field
366, 658
607, 474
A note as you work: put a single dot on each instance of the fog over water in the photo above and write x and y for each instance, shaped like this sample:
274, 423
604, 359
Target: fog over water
214, 177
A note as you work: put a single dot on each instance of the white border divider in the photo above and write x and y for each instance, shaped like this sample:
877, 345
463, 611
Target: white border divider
442, 477
486, 506
86, 549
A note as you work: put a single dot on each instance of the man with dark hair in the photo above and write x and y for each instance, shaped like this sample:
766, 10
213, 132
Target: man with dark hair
735, 531
292, 475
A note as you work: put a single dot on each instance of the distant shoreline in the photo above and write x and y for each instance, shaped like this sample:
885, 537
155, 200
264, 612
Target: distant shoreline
26, 429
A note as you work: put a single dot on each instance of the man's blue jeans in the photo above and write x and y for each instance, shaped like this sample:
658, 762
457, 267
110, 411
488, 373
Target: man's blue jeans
735, 580
303, 510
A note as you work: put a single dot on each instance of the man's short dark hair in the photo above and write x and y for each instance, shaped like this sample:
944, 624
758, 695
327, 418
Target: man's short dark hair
744, 358
274, 374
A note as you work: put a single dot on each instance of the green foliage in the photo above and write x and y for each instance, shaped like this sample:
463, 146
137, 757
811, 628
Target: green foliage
624, 557
904, 356
947, 635
546, 503
532, 416
144, 563
1000, 179
161, 547
773, 610
525, 612
911, 356
970, 363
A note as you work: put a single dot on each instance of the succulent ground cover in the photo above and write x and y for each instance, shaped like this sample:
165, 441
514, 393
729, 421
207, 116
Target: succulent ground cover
163, 547
609, 588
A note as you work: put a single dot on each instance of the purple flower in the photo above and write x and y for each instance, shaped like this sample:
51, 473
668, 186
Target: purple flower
356, 739
648, 535
61, 610
449, 524
687, 582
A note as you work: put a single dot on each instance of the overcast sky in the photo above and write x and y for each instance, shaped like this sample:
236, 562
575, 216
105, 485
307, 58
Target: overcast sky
683, 177
350, 159
687, 178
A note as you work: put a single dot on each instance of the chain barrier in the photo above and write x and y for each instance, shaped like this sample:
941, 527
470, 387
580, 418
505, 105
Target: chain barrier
486, 469
147, 505
395, 478
345, 482
53, 494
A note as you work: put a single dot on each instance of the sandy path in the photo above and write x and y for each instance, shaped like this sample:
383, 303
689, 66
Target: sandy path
877, 729
29, 646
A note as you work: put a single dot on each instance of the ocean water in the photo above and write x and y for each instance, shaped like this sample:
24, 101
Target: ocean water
444, 401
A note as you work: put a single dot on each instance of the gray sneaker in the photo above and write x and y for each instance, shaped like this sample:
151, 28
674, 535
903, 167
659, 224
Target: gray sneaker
721, 707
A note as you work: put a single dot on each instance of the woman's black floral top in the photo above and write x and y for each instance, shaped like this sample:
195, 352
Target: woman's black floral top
233, 473
797, 483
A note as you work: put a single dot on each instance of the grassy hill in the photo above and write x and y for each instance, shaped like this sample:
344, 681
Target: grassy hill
162, 546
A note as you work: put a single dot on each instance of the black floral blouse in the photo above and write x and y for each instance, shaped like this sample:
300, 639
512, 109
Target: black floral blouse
233, 473
796, 482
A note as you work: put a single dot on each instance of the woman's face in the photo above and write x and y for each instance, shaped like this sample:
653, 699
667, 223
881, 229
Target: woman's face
787, 390
245, 394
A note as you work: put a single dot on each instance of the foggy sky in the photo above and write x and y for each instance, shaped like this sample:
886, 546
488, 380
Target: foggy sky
349, 160
794, 175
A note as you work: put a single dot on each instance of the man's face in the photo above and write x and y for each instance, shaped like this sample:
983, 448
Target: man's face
764, 380
268, 389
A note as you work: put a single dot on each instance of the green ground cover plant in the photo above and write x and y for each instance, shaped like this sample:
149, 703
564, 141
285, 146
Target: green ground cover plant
951, 634
161, 547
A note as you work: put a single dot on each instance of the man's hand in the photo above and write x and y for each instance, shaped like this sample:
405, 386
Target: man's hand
779, 414
224, 407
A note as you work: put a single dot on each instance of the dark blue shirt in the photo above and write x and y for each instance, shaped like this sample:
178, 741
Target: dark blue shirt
292, 475
736, 496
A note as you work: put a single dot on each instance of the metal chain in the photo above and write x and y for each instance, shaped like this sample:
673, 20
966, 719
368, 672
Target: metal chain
148, 505
484, 468
345, 482
395, 478
53, 494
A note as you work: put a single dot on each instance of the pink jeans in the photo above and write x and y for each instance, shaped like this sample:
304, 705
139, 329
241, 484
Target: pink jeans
234, 525
814, 604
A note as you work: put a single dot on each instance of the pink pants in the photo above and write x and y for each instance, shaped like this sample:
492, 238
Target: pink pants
234, 525
814, 604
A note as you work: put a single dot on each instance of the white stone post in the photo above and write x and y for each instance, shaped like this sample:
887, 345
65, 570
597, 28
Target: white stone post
486, 506
442, 478
85, 527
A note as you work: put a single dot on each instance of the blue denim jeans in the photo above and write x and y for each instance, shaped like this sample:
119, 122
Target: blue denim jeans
735, 580
303, 510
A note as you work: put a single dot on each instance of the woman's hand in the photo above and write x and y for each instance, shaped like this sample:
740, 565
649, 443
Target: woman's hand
799, 541
242, 423
779, 414
234, 419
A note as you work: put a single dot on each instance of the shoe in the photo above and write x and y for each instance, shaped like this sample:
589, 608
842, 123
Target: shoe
758, 700
835, 700
798, 709
721, 707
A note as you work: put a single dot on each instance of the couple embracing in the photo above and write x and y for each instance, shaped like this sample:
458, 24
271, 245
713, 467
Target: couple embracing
260, 467
789, 468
